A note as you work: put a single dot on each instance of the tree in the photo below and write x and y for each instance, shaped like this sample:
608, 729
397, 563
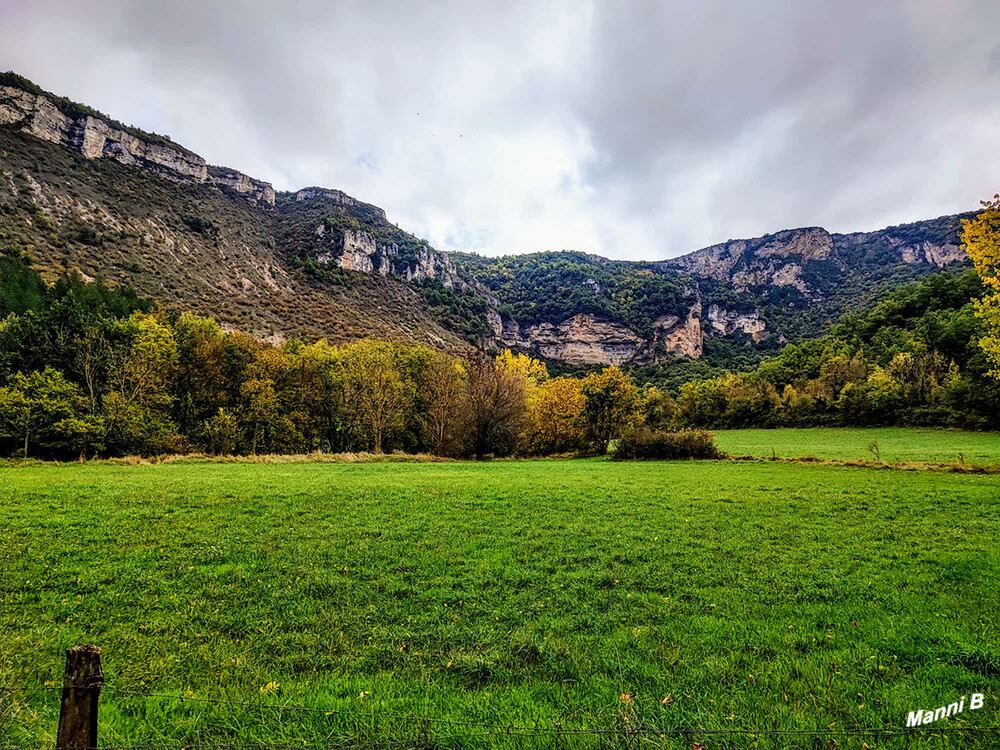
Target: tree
312, 396
142, 370
375, 393
659, 408
222, 433
444, 383
201, 387
611, 406
530, 371
31, 405
494, 406
260, 410
82, 435
554, 423
981, 238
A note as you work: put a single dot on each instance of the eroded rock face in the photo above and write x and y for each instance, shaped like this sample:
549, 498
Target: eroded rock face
336, 196
685, 338
95, 138
581, 340
727, 322
254, 190
812, 243
939, 255
587, 340
431, 265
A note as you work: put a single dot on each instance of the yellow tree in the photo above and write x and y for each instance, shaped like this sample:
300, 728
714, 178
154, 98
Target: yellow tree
531, 372
376, 394
981, 238
554, 417
443, 387
135, 409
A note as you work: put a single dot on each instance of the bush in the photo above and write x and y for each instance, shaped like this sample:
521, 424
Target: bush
646, 444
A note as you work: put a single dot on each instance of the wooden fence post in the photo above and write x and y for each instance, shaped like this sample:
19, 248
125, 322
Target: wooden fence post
81, 689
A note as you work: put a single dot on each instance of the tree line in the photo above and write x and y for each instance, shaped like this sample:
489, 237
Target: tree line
916, 358
90, 370
86, 369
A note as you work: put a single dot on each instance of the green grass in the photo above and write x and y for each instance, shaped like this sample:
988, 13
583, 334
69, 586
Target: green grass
896, 444
757, 595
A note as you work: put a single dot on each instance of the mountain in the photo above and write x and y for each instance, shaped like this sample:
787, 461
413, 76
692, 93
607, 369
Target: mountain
86, 193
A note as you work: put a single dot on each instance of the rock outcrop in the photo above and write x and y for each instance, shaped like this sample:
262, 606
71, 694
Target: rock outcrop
727, 322
674, 336
336, 196
96, 138
253, 190
581, 340
434, 265
586, 339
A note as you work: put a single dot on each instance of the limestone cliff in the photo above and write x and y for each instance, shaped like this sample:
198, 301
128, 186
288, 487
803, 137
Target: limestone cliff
89, 193
95, 138
580, 340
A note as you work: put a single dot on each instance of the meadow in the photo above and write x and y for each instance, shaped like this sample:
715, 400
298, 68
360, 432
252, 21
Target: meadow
895, 444
506, 597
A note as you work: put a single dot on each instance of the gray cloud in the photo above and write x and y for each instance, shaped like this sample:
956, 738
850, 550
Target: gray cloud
635, 129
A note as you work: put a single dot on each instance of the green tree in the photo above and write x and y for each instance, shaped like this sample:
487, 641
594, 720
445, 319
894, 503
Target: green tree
32, 405
611, 406
82, 435
222, 433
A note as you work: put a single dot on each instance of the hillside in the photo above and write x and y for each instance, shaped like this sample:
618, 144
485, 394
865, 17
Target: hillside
84, 192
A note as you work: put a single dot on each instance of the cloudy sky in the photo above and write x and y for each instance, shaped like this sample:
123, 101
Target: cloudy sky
636, 130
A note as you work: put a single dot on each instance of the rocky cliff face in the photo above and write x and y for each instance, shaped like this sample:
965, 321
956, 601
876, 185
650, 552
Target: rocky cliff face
758, 292
338, 197
786, 259
580, 340
588, 340
253, 190
231, 244
96, 138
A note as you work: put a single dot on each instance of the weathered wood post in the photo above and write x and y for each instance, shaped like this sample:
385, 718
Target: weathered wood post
81, 689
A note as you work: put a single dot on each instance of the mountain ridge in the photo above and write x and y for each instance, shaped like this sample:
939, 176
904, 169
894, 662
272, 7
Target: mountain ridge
319, 262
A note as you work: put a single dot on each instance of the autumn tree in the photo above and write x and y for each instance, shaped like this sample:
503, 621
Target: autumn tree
376, 395
554, 417
201, 386
659, 409
443, 388
260, 412
611, 406
135, 409
530, 371
494, 406
981, 238
312, 395
221, 433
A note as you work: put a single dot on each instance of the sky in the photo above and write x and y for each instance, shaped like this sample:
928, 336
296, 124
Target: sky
635, 130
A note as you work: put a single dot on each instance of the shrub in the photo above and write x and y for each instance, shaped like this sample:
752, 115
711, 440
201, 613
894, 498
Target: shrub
646, 444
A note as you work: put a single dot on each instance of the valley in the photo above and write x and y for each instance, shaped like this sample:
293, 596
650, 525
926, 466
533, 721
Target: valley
86, 193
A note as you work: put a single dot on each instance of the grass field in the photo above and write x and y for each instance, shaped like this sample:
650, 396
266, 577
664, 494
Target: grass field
896, 444
754, 595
